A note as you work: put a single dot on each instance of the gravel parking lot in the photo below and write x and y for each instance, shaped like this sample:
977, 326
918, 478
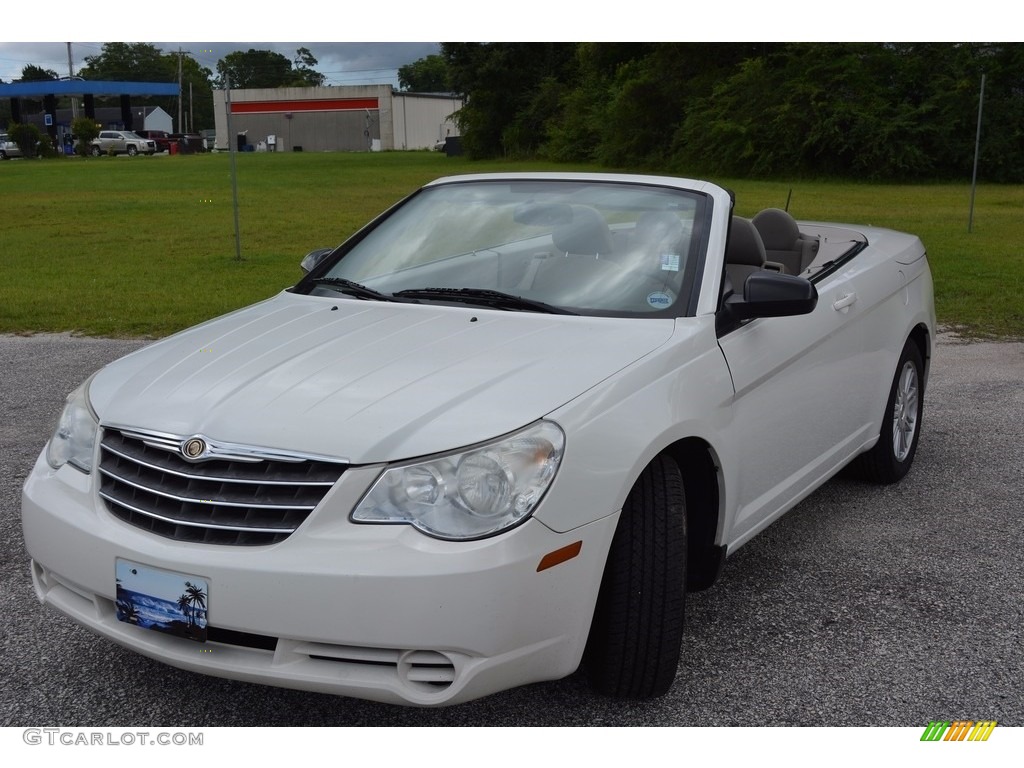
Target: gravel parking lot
864, 606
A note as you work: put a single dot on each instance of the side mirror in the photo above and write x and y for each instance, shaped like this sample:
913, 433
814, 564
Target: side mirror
313, 258
770, 294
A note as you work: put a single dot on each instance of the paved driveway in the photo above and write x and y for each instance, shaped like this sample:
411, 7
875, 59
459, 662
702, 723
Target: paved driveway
863, 606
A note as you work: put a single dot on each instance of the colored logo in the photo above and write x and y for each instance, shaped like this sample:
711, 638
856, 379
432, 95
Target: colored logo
958, 730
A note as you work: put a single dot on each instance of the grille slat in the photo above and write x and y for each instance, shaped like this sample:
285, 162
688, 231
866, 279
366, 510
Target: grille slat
220, 499
196, 523
215, 501
166, 467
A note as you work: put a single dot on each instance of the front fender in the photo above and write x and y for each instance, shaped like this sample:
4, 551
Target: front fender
680, 390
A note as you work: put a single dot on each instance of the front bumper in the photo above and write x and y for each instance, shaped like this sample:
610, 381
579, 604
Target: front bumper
379, 612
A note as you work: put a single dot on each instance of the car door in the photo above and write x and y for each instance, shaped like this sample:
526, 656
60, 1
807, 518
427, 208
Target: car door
801, 391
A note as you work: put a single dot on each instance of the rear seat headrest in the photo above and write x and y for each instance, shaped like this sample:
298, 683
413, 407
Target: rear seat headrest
777, 228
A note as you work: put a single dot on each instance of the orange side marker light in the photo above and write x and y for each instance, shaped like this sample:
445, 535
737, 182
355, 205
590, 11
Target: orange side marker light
559, 556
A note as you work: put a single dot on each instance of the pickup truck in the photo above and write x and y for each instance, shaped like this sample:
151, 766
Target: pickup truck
121, 142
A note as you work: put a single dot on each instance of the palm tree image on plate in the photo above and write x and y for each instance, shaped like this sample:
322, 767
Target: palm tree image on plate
126, 611
193, 605
161, 600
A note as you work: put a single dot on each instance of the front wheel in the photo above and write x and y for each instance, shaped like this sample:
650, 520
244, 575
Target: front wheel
633, 648
894, 452
132, 150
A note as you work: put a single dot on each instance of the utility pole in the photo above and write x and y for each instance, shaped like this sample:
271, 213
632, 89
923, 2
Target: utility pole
179, 91
71, 75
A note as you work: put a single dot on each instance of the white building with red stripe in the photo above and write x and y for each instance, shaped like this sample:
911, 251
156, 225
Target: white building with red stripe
348, 118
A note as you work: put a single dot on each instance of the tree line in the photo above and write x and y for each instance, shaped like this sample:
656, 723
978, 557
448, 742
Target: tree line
900, 111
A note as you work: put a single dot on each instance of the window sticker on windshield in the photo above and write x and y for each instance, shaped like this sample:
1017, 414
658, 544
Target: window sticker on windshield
659, 300
670, 262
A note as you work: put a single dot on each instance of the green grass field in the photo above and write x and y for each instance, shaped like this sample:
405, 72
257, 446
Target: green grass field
145, 246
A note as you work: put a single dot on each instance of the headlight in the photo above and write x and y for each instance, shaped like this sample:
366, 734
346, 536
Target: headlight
470, 494
75, 437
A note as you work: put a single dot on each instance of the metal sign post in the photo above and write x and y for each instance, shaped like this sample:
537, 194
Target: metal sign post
233, 149
977, 145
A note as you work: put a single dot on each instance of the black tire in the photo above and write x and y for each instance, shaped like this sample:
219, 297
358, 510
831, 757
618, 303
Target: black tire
95, 151
132, 150
3, 155
633, 649
893, 454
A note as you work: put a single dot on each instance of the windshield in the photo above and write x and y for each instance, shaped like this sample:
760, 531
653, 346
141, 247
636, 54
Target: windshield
584, 246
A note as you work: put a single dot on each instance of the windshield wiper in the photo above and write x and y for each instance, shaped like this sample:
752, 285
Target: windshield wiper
353, 288
483, 297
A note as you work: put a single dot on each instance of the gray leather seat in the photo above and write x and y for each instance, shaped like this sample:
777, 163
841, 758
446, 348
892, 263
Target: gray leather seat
580, 259
745, 252
783, 242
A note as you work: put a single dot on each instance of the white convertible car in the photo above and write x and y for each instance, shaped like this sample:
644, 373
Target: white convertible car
496, 434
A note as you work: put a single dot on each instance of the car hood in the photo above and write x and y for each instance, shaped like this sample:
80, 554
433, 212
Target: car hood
366, 381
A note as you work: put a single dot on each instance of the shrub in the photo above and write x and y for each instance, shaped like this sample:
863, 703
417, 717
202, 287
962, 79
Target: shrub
84, 129
46, 148
26, 136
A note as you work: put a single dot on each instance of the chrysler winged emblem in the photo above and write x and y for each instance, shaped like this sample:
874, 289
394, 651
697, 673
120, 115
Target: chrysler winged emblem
193, 448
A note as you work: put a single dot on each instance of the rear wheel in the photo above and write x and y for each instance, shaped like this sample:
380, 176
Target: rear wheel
633, 649
95, 151
894, 452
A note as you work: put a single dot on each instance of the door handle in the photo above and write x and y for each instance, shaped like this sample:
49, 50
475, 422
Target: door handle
843, 303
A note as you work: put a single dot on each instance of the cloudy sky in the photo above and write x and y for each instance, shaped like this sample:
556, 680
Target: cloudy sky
374, 39
382, 37
342, 63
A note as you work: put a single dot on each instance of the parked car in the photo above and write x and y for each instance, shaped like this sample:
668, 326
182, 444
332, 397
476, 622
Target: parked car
121, 142
8, 148
497, 433
162, 139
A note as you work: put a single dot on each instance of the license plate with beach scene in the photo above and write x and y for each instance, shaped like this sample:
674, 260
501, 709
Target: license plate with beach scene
152, 598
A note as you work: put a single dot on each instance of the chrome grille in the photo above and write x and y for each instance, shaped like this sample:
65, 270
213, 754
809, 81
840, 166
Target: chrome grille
248, 498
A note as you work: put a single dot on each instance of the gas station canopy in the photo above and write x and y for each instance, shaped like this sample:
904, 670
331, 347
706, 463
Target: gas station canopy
39, 88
